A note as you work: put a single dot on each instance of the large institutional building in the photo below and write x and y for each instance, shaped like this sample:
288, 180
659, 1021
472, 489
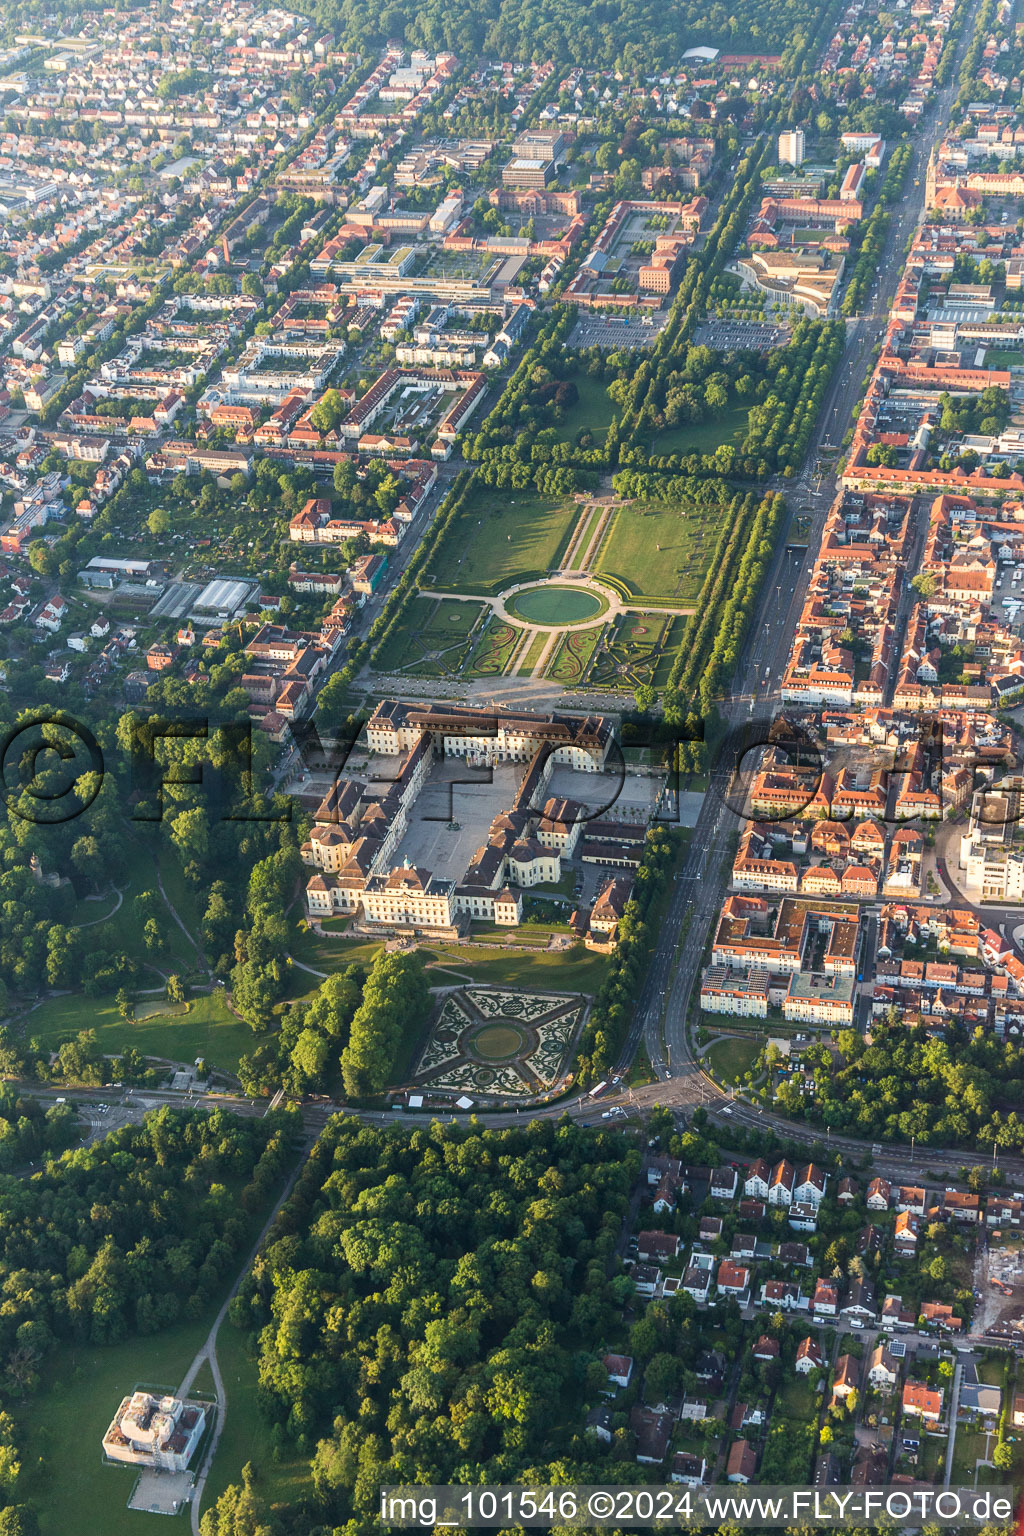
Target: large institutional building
354, 841
158, 1432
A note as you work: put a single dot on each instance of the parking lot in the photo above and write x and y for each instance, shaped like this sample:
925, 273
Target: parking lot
641, 330
740, 335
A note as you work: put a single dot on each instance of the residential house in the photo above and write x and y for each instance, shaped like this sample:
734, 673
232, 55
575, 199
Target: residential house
697, 1279
783, 1296
825, 1302
883, 1369
599, 1419
781, 1184
809, 1188
905, 1234
846, 1378
689, 1469
860, 1307
723, 1183
923, 1402
734, 1280
809, 1357
938, 1314
653, 1432
619, 1368
757, 1180
742, 1463
656, 1247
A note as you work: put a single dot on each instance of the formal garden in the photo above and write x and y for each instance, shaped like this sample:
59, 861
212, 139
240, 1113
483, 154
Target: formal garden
498, 1042
569, 663
633, 651
434, 638
495, 649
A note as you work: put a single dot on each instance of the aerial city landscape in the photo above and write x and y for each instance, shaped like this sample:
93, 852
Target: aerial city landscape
512, 759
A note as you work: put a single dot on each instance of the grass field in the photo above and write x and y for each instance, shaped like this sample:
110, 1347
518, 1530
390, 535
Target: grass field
592, 412
659, 552
63, 1425
326, 954
971, 1446
161, 1029
529, 657
432, 637
124, 930
499, 538
703, 436
1004, 358
731, 1059
574, 970
670, 649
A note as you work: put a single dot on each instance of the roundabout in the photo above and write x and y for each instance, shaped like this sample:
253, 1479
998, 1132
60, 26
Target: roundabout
558, 604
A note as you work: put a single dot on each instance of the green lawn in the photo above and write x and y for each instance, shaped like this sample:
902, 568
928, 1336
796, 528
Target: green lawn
326, 954
123, 931
969, 1448
529, 658
62, 1426
499, 538
659, 552
795, 1399
574, 970
672, 643
592, 412
703, 436
246, 1434
731, 1059
209, 1029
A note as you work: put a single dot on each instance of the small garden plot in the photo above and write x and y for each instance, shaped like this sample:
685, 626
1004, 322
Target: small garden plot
494, 650
628, 656
499, 1042
572, 657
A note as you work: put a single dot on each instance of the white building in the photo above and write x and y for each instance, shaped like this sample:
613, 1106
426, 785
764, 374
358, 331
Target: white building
160, 1432
791, 147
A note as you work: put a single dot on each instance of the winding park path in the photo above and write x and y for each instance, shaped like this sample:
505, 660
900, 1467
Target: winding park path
207, 1351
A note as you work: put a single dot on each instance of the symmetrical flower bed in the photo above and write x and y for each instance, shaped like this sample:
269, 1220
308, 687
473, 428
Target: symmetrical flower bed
469, 1051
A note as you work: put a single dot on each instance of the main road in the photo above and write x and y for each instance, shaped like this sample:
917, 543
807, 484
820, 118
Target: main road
699, 888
